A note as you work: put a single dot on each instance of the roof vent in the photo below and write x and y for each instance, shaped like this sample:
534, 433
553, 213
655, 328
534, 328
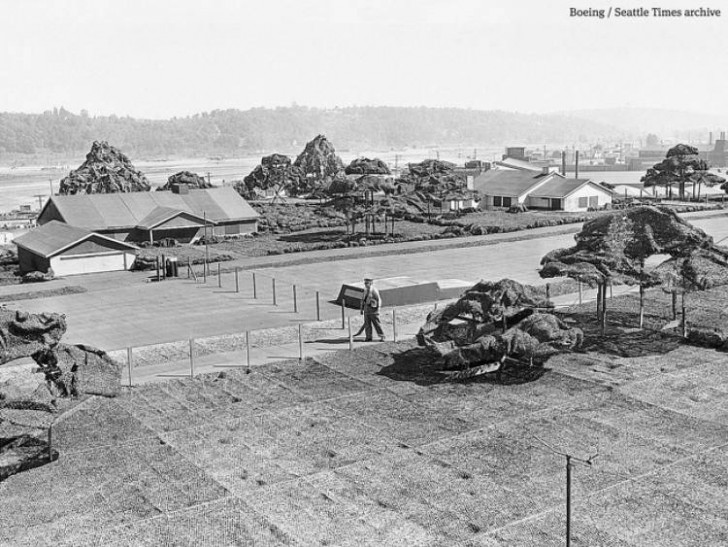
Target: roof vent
180, 189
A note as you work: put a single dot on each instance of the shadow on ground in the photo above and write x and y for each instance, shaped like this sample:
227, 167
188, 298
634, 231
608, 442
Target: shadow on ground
314, 237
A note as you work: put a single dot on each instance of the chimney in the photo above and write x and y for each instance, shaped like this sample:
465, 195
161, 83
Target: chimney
563, 162
180, 189
576, 164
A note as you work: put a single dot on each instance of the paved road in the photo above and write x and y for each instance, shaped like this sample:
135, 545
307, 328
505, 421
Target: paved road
122, 309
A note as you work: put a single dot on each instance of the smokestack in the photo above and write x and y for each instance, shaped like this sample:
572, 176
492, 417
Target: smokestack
722, 135
576, 165
710, 138
563, 162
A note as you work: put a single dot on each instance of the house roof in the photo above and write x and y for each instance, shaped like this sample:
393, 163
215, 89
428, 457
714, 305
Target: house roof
128, 209
507, 182
55, 237
160, 215
560, 187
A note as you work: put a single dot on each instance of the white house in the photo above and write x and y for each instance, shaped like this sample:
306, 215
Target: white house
545, 189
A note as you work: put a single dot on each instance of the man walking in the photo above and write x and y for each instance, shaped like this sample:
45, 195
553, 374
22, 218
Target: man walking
370, 305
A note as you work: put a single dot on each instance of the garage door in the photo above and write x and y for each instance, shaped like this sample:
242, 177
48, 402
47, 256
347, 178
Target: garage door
81, 264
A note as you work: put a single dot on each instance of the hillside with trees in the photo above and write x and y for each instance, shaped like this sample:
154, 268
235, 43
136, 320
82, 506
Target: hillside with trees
230, 133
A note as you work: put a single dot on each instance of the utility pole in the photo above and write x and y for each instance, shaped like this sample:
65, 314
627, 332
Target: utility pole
40, 200
208, 179
569, 458
50, 182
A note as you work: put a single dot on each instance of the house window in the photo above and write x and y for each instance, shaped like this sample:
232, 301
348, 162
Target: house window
497, 201
506, 202
583, 202
594, 201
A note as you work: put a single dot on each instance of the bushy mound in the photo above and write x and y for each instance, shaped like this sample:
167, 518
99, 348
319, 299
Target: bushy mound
275, 173
192, 180
106, 170
319, 161
365, 166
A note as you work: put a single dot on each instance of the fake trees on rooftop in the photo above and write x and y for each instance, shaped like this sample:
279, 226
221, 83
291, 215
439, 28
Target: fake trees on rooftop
613, 248
356, 199
681, 166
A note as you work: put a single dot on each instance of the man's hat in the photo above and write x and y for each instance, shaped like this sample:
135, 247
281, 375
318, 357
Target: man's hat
368, 279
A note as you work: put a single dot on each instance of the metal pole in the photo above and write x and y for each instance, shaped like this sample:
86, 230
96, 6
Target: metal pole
157, 263
568, 500
219, 277
295, 301
394, 324
192, 359
318, 307
128, 362
255, 291
204, 272
300, 342
274, 291
50, 443
351, 337
188, 268
343, 314
247, 347
684, 320
237, 282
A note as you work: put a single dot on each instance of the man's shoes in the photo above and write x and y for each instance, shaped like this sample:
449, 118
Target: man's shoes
382, 338
368, 340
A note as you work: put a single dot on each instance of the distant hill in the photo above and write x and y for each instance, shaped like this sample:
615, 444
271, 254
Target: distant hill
233, 133
663, 122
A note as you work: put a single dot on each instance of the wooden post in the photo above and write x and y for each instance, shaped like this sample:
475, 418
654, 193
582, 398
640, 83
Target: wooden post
604, 310
50, 443
300, 342
237, 282
611, 292
128, 362
580, 294
204, 271
219, 276
192, 359
642, 305
274, 291
351, 337
599, 302
157, 263
318, 307
255, 291
343, 314
164, 268
295, 300
548, 291
189, 267
674, 305
247, 347
684, 319
394, 324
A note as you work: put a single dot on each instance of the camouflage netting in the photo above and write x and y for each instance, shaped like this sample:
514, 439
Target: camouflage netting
492, 322
614, 247
365, 166
106, 170
40, 378
192, 180
319, 162
275, 173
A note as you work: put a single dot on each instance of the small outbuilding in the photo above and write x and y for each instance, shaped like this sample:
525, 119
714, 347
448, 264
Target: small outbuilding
69, 250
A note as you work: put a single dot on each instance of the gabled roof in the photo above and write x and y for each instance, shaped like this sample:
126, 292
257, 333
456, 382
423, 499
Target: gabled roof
562, 187
507, 182
55, 237
160, 215
128, 209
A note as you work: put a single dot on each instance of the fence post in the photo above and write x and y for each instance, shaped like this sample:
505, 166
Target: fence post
188, 268
128, 362
394, 324
192, 359
318, 307
274, 291
300, 342
255, 291
50, 443
247, 347
237, 282
343, 314
157, 263
204, 271
548, 291
219, 277
684, 319
295, 300
351, 338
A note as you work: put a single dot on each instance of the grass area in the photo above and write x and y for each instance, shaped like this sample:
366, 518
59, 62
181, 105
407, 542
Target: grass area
373, 447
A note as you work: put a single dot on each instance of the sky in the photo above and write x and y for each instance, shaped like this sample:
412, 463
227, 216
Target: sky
163, 58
